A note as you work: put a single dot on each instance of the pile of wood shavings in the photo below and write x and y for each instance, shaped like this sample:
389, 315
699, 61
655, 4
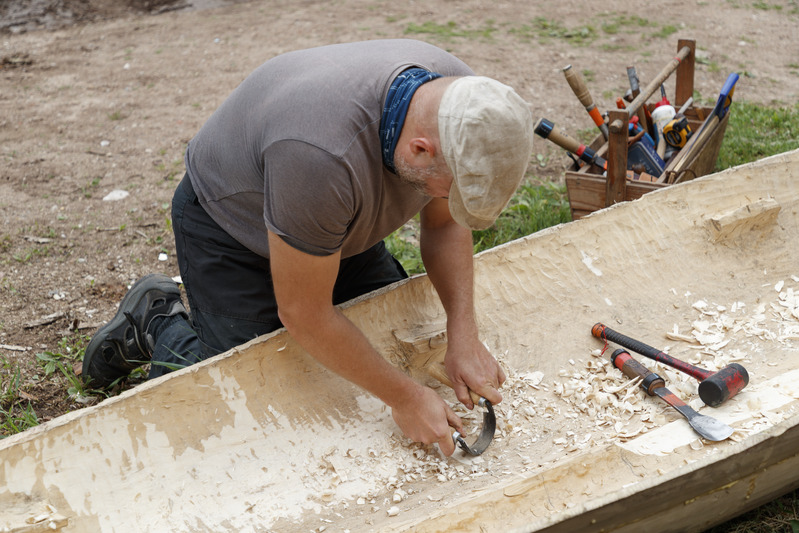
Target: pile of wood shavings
594, 389
601, 395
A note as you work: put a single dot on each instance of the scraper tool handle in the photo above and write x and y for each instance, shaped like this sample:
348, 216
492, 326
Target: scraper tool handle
438, 371
631, 368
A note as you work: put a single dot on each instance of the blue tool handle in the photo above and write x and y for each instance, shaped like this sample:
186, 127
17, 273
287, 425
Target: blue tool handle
725, 96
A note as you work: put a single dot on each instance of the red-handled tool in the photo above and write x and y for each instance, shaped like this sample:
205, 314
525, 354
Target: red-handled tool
706, 426
580, 89
714, 387
546, 129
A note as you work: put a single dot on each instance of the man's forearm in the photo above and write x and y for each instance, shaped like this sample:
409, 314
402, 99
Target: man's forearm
448, 258
339, 345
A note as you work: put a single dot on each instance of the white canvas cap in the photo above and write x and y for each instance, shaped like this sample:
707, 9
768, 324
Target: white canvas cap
486, 134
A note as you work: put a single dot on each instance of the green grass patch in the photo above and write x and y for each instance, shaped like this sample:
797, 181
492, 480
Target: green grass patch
532, 208
16, 413
621, 23
665, 31
401, 245
754, 132
61, 362
546, 31
765, 6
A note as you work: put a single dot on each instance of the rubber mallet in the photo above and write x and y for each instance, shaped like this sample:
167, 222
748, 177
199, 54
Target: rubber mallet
714, 387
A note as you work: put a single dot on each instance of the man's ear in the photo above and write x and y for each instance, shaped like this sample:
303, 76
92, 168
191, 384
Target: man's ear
422, 146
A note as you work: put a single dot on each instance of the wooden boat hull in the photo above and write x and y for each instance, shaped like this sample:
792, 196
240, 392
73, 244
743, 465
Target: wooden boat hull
262, 438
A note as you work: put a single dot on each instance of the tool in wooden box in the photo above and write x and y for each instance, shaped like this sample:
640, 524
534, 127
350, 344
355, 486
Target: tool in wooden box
580, 90
546, 129
677, 132
643, 157
674, 170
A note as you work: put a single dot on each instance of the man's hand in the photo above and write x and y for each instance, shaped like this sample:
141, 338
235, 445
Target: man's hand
426, 418
471, 366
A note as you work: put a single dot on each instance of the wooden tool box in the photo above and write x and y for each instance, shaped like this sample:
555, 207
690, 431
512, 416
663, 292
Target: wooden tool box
589, 190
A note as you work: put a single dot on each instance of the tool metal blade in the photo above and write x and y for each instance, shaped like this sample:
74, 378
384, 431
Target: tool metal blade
486, 434
706, 426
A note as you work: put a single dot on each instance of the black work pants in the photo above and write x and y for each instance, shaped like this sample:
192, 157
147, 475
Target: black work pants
229, 288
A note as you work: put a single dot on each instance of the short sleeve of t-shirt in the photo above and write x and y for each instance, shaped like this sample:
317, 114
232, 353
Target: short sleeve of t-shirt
309, 213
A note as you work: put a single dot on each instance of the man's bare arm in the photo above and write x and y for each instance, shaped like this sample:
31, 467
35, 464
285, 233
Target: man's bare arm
447, 252
303, 287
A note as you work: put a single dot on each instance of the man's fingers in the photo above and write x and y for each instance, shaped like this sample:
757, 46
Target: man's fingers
454, 420
447, 444
488, 391
501, 377
462, 393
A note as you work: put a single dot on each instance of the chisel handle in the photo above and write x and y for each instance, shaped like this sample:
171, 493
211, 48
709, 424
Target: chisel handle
437, 371
631, 368
582, 93
546, 129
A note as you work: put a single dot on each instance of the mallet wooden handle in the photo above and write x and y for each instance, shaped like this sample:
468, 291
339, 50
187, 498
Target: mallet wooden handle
655, 84
437, 371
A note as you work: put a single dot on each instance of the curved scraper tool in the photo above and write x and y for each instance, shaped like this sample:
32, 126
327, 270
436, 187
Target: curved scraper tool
707, 427
438, 371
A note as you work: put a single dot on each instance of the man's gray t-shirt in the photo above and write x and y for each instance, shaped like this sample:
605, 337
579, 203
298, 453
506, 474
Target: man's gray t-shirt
295, 149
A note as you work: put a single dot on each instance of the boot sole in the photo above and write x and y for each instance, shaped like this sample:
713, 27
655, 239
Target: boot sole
134, 296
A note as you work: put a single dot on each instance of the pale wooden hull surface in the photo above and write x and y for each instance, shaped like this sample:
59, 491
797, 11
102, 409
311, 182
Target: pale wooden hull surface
264, 439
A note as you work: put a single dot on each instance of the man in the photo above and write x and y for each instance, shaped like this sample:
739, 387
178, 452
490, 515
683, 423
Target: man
290, 188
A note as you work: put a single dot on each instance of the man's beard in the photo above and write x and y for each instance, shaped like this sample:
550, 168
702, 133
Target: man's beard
417, 178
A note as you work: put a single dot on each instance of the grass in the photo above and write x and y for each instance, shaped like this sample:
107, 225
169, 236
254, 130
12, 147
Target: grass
545, 30
754, 132
450, 30
60, 364
533, 208
16, 413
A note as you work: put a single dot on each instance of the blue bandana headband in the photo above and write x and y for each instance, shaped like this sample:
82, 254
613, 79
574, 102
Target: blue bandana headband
396, 107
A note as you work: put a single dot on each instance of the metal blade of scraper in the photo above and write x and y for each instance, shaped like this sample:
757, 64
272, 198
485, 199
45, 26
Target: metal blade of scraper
486, 434
706, 426
480, 445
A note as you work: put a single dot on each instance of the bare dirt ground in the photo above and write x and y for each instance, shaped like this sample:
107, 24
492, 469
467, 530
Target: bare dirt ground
99, 96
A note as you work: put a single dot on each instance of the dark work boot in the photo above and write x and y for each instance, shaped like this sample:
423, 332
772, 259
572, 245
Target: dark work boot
126, 343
